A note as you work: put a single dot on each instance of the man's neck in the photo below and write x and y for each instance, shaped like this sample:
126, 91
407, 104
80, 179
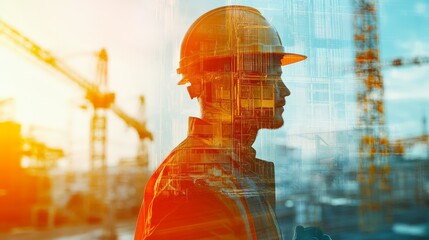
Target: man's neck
242, 135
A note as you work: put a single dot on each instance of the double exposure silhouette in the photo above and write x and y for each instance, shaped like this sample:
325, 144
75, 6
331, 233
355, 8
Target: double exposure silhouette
211, 186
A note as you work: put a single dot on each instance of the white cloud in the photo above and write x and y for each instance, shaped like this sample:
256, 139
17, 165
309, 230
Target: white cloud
414, 47
407, 83
421, 9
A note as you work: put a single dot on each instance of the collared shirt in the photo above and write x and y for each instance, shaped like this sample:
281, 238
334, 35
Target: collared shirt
209, 187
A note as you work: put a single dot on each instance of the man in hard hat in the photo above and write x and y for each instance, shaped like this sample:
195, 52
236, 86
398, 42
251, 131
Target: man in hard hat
211, 186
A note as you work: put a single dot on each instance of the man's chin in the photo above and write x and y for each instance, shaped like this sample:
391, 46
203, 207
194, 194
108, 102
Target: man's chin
273, 124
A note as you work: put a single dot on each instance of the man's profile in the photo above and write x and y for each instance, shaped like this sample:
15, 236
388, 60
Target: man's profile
212, 186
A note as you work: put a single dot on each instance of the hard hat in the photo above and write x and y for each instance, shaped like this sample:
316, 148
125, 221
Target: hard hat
230, 32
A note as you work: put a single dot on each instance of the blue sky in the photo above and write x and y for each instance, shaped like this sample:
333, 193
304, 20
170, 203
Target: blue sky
404, 32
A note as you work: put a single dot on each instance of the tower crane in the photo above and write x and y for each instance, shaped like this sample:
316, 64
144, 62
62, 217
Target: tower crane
374, 169
374, 148
96, 93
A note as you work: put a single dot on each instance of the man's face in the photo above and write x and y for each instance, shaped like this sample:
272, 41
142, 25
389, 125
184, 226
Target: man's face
263, 94
254, 94
280, 93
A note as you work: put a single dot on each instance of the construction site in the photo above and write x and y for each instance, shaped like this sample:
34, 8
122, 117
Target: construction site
89, 107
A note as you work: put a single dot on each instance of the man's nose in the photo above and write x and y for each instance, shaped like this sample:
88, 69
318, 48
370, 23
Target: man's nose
284, 91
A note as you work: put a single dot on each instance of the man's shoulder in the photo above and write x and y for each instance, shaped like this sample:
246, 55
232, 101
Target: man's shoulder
193, 167
195, 155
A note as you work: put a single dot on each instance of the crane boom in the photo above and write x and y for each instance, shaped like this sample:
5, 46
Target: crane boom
43, 55
132, 122
46, 57
397, 62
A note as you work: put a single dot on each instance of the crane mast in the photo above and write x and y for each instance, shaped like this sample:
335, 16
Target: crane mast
98, 179
373, 172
